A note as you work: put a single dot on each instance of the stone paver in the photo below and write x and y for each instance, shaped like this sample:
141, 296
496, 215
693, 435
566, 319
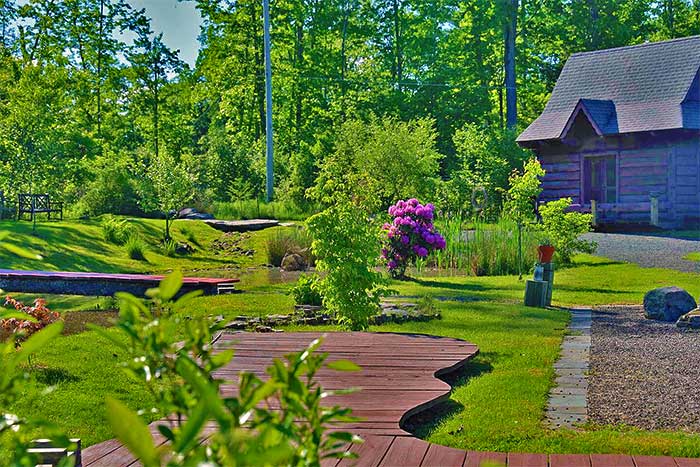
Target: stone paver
567, 405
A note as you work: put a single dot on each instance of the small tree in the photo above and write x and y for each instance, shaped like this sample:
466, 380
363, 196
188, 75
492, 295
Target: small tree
564, 229
170, 185
346, 244
521, 199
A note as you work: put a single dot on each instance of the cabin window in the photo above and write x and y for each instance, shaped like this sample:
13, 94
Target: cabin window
600, 179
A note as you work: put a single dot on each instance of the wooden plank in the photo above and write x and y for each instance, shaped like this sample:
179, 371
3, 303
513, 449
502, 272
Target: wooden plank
654, 461
569, 460
611, 460
686, 462
527, 460
442, 456
492, 459
405, 452
370, 453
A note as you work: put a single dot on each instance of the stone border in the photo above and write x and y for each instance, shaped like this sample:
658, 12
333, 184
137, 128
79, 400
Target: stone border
568, 399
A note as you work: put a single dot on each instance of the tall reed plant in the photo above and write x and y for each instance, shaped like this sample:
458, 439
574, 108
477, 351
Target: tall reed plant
254, 209
482, 249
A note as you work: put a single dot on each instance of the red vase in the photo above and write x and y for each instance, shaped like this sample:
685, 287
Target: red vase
546, 252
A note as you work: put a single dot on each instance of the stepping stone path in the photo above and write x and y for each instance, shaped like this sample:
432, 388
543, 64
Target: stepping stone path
567, 406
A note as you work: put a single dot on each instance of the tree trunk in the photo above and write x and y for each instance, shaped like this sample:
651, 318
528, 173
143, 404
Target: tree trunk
594, 43
99, 70
398, 52
509, 63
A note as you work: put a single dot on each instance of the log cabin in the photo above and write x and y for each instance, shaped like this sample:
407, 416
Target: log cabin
622, 129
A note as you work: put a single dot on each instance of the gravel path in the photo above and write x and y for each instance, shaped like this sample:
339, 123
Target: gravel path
647, 251
644, 373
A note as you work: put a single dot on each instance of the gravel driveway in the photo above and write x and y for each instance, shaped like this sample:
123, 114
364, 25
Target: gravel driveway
643, 373
647, 251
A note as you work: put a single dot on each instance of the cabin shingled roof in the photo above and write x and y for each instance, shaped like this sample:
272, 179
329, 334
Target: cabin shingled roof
643, 87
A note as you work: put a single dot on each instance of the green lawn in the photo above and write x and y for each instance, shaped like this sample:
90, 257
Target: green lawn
692, 256
498, 405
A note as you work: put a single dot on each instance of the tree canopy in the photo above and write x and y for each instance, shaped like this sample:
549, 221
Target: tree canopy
89, 93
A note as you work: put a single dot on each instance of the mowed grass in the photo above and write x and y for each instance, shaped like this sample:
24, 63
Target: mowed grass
497, 405
80, 246
692, 256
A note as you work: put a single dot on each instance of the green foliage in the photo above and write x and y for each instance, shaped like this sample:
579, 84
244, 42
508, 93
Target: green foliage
178, 371
282, 242
525, 188
256, 209
117, 230
111, 188
305, 292
378, 162
169, 185
563, 229
485, 158
346, 245
136, 248
169, 248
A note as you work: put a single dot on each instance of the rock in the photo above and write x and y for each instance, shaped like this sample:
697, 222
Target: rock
293, 262
668, 303
183, 248
237, 324
192, 213
690, 320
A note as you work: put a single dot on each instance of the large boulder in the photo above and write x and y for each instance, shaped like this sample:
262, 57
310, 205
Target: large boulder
192, 213
690, 320
668, 303
293, 262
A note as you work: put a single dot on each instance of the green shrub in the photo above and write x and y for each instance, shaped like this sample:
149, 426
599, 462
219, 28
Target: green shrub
379, 161
305, 292
284, 241
347, 245
136, 248
116, 231
563, 229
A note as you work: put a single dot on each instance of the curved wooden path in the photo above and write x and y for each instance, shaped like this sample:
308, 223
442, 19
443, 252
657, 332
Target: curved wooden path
398, 379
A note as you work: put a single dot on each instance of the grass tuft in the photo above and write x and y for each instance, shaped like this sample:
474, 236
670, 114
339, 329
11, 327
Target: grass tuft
136, 248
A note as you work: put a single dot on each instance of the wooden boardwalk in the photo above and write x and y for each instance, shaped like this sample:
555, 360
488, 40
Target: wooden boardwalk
100, 284
398, 379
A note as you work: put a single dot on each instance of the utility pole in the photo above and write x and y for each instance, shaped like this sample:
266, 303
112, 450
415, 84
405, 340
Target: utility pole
268, 100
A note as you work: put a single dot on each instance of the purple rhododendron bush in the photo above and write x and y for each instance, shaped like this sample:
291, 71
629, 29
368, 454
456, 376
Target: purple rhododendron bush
410, 235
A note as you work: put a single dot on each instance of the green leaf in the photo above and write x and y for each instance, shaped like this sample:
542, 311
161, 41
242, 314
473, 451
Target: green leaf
170, 286
133, 432
222, 358
188, 435
40, 339
205, 388
343, 365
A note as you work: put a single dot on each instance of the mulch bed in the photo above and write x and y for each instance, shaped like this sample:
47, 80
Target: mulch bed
644, 373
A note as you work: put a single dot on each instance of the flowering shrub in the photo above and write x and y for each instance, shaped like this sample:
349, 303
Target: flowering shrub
411, 235
20, 328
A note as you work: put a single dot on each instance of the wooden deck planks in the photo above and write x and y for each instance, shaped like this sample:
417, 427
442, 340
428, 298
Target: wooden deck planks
397, 377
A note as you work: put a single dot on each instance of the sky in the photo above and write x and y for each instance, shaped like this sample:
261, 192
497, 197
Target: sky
178, 21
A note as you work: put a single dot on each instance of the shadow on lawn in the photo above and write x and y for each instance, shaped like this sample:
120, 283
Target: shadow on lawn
468, 286
54, 376
423, 423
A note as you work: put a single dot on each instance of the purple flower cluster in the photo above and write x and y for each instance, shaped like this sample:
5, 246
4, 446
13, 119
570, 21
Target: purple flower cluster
410, 235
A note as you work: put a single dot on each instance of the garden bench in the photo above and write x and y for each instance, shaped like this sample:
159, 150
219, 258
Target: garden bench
33, 204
